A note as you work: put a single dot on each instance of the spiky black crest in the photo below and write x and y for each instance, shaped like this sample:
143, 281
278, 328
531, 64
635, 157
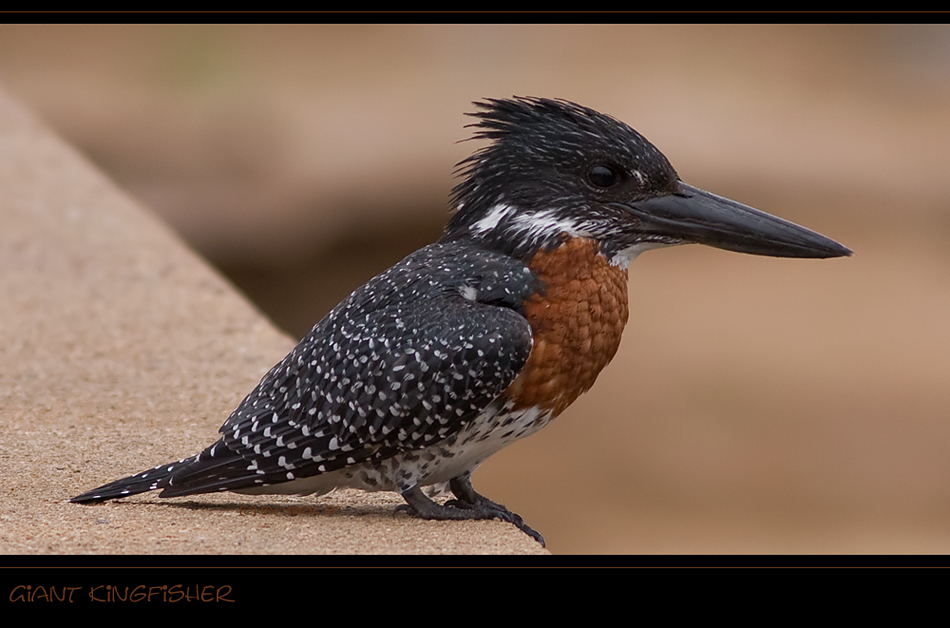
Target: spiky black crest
527, 132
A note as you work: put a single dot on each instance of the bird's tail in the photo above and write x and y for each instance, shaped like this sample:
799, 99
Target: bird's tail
133, 485
217, 468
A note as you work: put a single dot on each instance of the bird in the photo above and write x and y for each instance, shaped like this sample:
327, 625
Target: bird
483, 337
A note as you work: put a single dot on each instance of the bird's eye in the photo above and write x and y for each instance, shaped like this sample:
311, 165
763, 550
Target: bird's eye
601, 176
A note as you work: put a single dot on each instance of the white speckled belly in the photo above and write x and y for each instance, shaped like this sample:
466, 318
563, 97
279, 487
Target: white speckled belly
436, 464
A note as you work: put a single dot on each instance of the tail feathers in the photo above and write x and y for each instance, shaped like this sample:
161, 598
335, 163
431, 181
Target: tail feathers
133, 485
228, 476
216, 468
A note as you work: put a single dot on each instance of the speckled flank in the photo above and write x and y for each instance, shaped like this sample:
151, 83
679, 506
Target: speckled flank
407, 361
403, 363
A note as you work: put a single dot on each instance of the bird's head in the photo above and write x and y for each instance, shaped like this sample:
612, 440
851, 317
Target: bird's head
554, 168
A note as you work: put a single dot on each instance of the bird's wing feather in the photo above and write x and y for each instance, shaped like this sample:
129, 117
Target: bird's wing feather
405, 361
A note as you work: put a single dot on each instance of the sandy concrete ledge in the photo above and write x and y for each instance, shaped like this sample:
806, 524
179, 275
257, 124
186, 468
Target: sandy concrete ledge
121, 349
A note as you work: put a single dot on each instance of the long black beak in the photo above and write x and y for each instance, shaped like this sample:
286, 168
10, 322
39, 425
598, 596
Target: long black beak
693, 215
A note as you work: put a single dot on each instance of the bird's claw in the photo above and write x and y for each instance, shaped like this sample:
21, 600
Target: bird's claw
487, 510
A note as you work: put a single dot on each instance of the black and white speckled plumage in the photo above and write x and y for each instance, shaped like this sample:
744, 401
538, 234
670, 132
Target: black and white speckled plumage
404, 362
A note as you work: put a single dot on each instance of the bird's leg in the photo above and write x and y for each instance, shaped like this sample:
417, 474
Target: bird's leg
466, 496
478, 507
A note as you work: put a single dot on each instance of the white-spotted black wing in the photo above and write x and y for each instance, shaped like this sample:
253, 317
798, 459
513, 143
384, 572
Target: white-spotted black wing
402, 363
405, 361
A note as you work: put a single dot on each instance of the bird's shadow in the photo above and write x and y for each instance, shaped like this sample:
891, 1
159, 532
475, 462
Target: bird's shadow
282, 509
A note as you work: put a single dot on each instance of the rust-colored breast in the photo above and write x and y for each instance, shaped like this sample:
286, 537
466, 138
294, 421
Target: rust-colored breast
577, 323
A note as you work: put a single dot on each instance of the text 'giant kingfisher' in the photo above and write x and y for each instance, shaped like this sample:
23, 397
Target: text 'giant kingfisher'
483, 337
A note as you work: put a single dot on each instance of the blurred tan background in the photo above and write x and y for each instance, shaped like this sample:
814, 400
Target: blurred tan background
756, 404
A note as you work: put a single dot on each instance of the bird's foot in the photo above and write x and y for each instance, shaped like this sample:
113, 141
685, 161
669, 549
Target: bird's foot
499, 512
468, 497
478, 507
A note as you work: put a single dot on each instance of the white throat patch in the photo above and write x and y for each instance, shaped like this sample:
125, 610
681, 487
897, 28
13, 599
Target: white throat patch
623, 257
